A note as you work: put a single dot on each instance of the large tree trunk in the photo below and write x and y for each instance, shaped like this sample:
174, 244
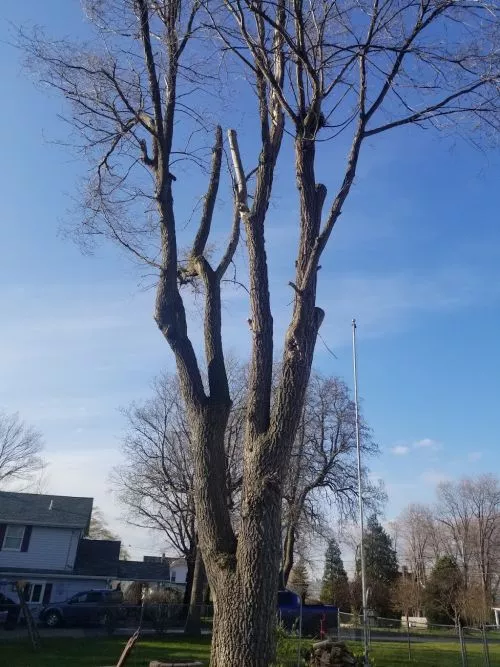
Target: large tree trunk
288, 554
193, 621
245, 599
191, 564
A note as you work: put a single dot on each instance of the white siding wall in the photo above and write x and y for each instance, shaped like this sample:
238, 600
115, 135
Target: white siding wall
180, 571
49, 548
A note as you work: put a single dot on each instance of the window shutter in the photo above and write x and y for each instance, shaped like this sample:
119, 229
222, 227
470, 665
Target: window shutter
46, 593
3, 527
26, 538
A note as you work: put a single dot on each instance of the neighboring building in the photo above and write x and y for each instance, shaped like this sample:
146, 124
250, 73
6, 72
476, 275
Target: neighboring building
39, 539
178, 571
43, 545
177, 567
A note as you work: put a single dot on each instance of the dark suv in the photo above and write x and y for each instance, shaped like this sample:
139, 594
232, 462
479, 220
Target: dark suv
86, 608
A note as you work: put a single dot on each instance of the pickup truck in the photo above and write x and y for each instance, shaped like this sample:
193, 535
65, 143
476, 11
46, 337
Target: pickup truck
85, 608
318, 620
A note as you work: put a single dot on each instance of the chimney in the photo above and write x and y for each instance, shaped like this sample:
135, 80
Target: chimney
51, 504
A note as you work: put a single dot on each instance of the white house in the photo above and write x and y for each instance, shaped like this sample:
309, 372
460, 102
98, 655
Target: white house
39, 538
178, 570
43, 544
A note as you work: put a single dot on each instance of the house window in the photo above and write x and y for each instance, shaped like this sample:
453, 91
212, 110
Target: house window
172, 576
13, 539
34, 593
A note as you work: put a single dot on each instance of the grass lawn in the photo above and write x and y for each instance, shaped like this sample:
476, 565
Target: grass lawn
431, 654
97, 652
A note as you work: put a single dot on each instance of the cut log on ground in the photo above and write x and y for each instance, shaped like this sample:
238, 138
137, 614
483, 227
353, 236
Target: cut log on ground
332, 654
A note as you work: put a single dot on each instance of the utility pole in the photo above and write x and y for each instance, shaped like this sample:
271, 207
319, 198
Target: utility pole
360, 497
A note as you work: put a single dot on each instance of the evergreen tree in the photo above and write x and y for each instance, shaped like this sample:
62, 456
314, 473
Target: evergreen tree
444, 591
334, 585
381, 565
298, 582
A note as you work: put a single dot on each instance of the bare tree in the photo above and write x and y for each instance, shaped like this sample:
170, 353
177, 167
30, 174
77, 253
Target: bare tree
155, 485
464, 525
99, 530
483, 494
408, 595
454, 513
323, 465
417, 529
470, 511
321, 68
20, 449
299, 579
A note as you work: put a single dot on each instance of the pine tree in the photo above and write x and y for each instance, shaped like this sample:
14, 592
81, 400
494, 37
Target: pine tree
443, 591
334, 585
381, 566
380, 556
298, 582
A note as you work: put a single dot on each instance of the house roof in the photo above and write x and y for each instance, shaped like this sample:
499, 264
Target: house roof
97, 557
132, 570
121, 570
20, 573
45, 510
171, 560
102, 558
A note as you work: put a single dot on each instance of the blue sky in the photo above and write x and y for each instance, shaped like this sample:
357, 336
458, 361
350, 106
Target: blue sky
415, 259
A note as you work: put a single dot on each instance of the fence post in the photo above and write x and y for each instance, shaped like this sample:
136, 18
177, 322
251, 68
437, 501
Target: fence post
486, 651
463, 651
299, 643
408, 637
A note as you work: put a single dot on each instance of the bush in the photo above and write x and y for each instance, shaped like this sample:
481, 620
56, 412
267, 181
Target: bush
165, 596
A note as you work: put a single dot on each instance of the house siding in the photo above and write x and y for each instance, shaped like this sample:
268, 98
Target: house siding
178, 573
49, 548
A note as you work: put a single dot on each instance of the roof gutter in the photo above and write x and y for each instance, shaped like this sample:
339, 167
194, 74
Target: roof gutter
48, 575
43, 524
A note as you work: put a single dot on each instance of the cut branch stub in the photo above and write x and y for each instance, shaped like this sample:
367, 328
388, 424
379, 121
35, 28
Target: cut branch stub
241, 182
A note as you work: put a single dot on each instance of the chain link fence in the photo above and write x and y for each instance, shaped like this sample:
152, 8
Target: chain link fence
162, 631
419, 642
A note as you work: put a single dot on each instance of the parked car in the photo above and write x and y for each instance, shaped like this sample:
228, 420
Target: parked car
313, 619
85, 608
9, 612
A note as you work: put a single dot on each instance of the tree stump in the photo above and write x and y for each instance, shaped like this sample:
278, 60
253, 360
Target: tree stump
332, 654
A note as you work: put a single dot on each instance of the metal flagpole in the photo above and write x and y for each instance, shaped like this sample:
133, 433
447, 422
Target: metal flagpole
360, 496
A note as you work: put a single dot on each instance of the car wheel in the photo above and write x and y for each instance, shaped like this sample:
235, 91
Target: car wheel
52, 619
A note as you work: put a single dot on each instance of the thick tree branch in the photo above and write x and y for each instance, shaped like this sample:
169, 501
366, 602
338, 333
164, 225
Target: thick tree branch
151, 67
441, 107
210, 198
227, 258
